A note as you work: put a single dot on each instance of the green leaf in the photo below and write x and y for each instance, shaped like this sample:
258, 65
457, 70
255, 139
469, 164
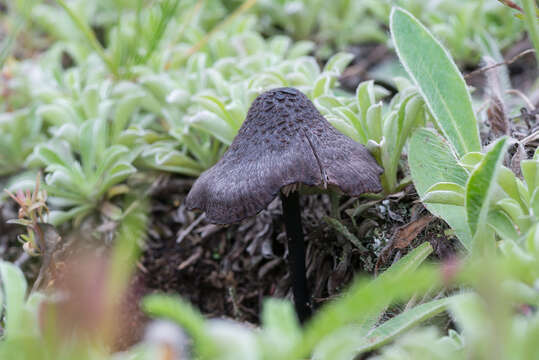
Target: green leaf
470, 316
160, 86
447, 186
444, 197
344, 126
114, 154
321, 86
58, 217
300, 48
344, 231
445, 193
280, 44
532, 240
530, 172
125, 108
213, 124
408, 263
431, 161
481, 185
90, 101
354, 120
215, 105
340, 345
471, 159
182, 313
328, 102
163, 158
374, 122
92, 143
281, 329
55, 153
509, 183
397, 325
397, 128
438, 79
534, 203
365, 98
502, 224
512, 208
118, 173
364, 301
338, 62
90, 36
14, 289
58, 114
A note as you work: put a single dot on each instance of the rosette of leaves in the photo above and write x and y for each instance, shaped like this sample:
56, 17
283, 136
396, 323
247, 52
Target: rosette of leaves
211, 90
221, 111
80, 177
132, 110
205, 103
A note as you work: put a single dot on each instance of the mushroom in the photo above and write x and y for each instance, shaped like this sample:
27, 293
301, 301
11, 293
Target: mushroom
283, 143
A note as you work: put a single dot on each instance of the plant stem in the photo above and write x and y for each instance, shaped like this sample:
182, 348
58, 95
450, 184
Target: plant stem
296, 254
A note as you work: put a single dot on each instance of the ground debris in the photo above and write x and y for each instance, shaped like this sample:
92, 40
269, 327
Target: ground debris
403, 237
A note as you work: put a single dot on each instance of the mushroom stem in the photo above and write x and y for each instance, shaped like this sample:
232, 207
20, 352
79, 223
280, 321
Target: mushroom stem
296, 254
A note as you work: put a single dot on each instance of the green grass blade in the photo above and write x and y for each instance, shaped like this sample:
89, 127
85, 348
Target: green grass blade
90, 36
394, 327
438, 79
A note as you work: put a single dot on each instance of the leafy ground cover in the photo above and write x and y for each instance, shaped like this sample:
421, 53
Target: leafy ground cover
111, 109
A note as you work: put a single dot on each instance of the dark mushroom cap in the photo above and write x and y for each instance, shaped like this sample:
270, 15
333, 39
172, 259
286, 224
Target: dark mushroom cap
284, 140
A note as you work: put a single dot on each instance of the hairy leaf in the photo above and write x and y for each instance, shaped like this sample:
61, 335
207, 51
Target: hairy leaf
438, 80
431, 161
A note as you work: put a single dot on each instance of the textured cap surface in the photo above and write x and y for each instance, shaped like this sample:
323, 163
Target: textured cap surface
284, 140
